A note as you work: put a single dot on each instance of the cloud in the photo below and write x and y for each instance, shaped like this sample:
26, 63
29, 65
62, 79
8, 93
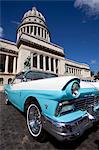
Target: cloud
93, 61
89, 7
15, 22
1, 31
84, 21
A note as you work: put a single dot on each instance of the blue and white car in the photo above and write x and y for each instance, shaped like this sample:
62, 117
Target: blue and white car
63, 106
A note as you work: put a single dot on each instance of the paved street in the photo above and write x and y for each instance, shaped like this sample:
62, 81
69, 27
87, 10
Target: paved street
14, 134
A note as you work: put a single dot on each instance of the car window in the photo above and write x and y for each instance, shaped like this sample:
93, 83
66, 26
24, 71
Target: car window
18, 79
38, 75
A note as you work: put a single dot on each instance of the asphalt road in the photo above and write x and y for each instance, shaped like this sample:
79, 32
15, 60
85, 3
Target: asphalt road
14, 134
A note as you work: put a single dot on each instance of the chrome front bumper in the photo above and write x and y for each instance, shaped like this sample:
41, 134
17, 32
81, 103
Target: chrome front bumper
67, 131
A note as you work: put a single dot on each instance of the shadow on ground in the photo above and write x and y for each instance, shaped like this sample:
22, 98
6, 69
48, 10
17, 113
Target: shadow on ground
76, 143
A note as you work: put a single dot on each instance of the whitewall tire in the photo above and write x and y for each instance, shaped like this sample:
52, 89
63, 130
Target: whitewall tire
34, 122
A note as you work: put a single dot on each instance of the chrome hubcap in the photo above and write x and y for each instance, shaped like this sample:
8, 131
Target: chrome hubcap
34, 120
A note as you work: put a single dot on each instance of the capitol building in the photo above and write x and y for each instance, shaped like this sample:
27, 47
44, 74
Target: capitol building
34, 50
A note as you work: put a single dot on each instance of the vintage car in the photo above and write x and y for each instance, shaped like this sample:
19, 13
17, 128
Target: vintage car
63, 106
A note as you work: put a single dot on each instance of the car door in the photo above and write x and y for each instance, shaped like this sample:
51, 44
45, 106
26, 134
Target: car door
14, 94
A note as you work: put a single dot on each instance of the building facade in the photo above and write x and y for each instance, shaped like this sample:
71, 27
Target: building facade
34, 50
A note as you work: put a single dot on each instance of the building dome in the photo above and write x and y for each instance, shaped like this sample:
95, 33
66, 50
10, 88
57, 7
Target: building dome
34, 13
33, 23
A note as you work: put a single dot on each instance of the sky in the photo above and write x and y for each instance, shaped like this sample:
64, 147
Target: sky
73, 24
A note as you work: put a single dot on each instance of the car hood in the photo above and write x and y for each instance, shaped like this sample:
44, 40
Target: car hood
56, 83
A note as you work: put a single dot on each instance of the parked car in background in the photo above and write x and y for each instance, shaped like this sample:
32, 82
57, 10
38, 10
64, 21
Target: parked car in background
63, 106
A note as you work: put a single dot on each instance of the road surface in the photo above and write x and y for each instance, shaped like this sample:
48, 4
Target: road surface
14, 134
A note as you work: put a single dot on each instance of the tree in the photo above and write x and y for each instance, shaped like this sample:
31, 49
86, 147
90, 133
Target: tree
97, 76
92, 73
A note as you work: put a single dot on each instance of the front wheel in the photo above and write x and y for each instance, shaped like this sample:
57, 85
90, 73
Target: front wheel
34, 122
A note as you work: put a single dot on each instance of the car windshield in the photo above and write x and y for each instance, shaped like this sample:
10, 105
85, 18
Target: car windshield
32, 75
18, 78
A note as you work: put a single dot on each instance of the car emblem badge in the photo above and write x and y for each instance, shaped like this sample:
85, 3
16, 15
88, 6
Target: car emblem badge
46, 106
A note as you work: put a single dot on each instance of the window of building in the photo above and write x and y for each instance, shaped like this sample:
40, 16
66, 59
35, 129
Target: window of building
52, 64
69, 70
56, 65
76, 71
34, 30
1, 81
10, 64
72, 70
42, 32
47, 63
27, 29
2, 62
45, 34
35, 60
41, 61
38, 30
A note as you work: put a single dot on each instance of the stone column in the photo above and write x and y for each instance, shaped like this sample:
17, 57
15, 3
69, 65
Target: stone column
6, 64
36, 30
25, 29
38, 61
22, 30
44, 63
49, 64
18, 35
48, 37
14, 65
54, 66
29, 29
32, 33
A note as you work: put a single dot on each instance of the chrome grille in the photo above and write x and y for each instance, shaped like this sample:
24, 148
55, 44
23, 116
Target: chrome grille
80, 123
84, 103
83, 122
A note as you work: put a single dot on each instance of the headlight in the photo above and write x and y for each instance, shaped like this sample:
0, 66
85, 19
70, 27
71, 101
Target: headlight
64, 108
75, 89
72, 90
